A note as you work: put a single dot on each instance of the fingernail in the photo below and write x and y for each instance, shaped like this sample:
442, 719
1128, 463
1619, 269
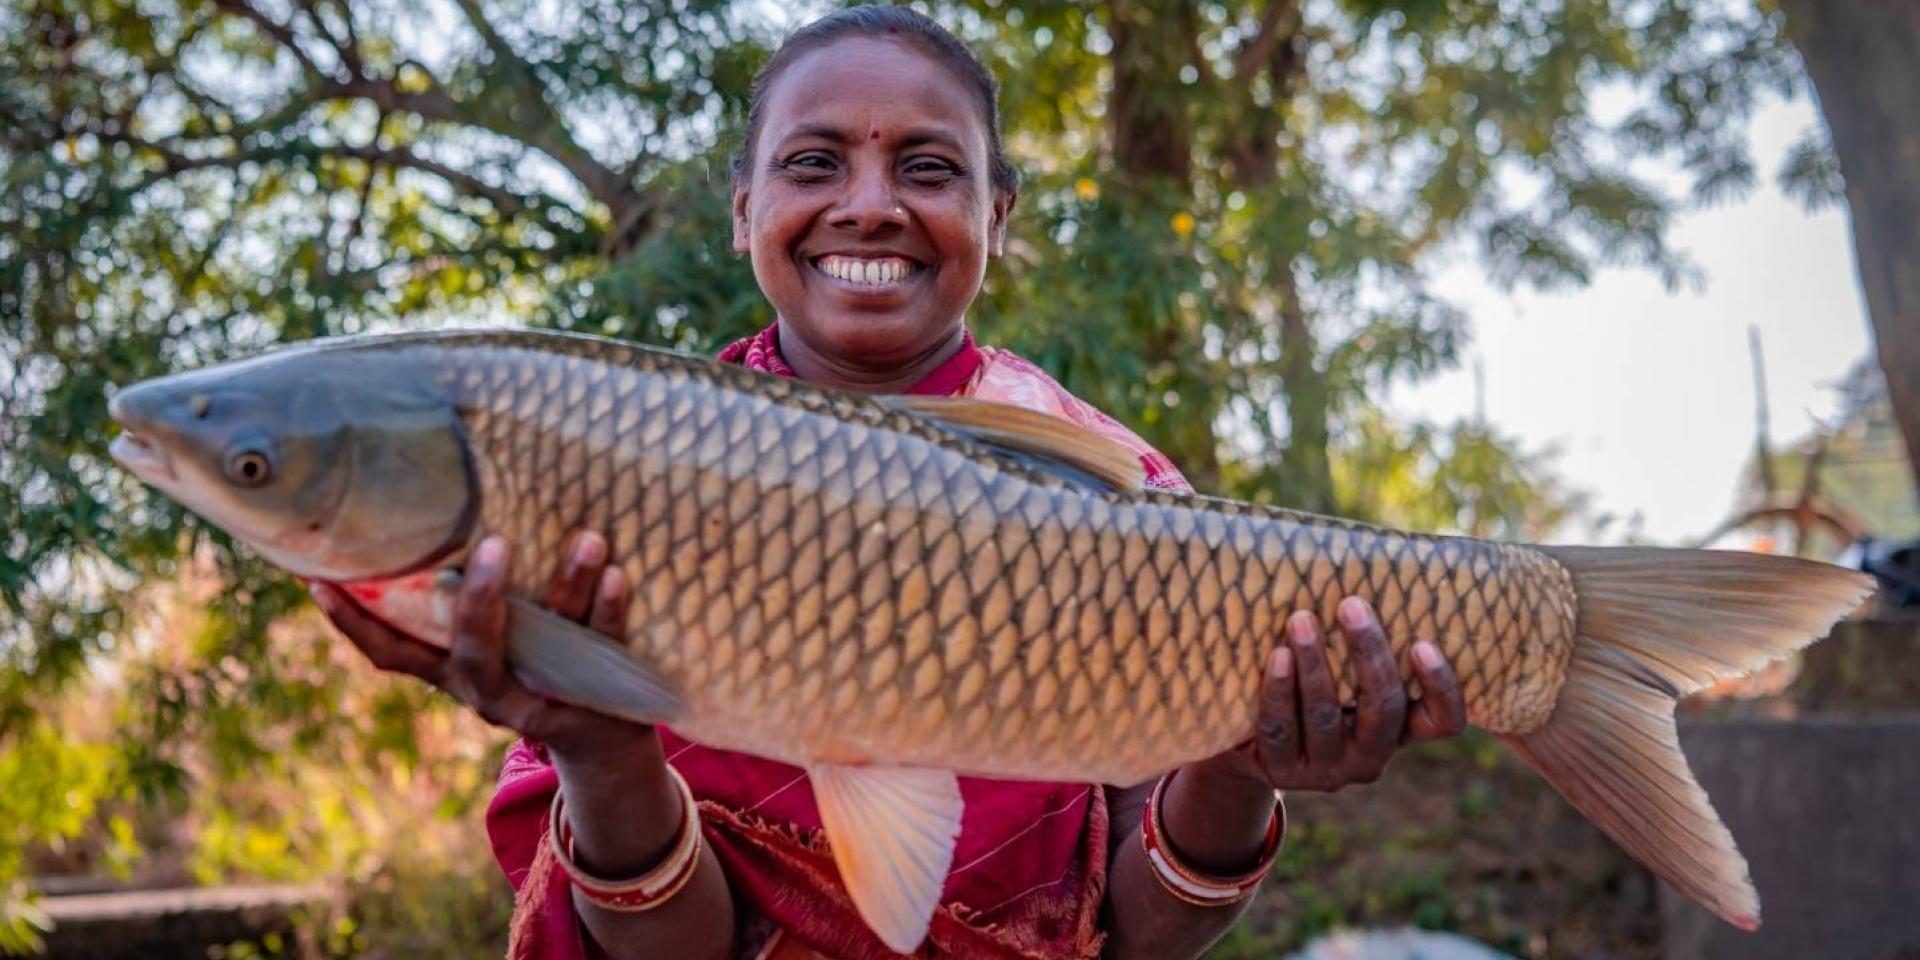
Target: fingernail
322, 597
1301, 627
589, 550
1353, 613
1428, 656
610, 583
1283, 663
492, 552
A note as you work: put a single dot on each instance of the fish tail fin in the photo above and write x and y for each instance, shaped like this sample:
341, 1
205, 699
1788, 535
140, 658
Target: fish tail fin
1654, 626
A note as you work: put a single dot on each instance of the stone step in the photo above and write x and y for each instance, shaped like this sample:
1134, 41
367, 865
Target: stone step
177, 924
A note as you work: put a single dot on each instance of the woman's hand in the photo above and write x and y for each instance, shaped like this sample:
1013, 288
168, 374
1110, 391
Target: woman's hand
474, 671
620, 801
1216, 811
1304, 740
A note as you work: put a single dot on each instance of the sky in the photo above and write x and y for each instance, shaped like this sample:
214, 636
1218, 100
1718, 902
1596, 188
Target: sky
1648, 394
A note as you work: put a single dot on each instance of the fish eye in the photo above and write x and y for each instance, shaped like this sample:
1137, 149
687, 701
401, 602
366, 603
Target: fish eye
249, 467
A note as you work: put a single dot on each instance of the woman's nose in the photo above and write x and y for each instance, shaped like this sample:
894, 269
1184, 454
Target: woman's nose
869, 204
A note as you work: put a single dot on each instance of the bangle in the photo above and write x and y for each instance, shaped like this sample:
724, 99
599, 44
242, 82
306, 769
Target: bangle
1193, 886
650, 889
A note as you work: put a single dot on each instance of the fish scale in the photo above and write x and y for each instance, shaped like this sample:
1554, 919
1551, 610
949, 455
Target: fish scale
886, 591
942, 601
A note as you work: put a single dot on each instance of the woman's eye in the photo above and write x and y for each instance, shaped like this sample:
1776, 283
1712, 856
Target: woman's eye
924, 168
810, 163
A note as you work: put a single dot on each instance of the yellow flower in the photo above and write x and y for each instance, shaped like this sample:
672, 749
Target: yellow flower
1182, 223
1087, 188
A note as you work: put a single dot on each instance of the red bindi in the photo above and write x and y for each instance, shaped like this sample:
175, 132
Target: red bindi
873, 135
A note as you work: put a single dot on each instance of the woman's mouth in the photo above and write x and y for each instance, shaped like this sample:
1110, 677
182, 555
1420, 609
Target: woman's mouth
868, 275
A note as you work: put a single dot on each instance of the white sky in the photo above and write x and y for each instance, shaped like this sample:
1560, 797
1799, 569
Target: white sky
1649, 395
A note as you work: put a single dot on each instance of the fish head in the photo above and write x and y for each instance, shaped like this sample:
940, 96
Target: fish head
336, 464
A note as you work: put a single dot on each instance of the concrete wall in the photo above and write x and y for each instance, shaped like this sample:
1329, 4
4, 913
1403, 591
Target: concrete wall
1828, 815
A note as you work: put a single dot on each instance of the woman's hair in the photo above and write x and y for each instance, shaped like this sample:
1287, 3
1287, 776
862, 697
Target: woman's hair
882, 22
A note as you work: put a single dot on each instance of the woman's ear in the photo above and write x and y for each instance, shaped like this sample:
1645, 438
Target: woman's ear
997, 230
742, 232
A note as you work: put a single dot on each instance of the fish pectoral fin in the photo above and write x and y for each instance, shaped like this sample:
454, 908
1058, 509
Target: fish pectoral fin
558, 658
892, 831
1044, 442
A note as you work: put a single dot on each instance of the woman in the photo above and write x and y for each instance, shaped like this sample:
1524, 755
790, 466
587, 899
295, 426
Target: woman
870, 193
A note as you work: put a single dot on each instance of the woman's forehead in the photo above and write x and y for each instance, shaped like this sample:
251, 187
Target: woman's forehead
864, 86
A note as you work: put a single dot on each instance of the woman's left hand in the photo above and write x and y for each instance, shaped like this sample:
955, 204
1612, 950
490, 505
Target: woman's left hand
1305, 740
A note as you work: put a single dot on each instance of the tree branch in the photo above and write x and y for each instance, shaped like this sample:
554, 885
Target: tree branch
1281, 21
503, 53
360, 206
544, 132
1190, 22
281, 33
505, 109
175, 162
346, 48
1252, 150
548, 133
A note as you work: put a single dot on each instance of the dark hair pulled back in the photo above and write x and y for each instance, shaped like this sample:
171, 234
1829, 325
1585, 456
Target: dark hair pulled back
882, 22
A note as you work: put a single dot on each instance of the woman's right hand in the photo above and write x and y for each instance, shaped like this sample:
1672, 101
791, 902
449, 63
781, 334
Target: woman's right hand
474, 671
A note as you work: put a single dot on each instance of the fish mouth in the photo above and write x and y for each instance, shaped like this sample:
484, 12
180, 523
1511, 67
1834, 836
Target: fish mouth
137, 453
135, 450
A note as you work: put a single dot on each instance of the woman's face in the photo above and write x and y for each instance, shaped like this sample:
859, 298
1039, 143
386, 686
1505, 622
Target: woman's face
869, 208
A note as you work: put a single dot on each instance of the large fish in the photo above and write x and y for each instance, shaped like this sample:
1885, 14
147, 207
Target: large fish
889, 590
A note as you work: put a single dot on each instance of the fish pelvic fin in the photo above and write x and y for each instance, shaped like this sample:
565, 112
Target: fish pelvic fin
1653, 626
892, 831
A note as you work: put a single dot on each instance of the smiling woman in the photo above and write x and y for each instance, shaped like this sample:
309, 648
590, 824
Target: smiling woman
870, 214
871, 193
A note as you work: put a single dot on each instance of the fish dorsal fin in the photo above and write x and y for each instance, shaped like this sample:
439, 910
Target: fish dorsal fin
892, 831
1046, 442
556, 657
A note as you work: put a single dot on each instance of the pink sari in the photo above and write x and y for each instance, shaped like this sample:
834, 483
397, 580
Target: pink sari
1030, 865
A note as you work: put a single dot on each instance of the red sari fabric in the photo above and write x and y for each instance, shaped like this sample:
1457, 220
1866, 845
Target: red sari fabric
1030, 864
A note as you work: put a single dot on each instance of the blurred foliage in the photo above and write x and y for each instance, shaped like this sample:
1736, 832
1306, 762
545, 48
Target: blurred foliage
1230, 211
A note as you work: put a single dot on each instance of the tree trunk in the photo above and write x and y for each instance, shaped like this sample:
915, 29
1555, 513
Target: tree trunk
1306, 474
1253, 156
1864, 58
1151, 136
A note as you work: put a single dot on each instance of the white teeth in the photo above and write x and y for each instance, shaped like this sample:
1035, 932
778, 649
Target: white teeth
868, 272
